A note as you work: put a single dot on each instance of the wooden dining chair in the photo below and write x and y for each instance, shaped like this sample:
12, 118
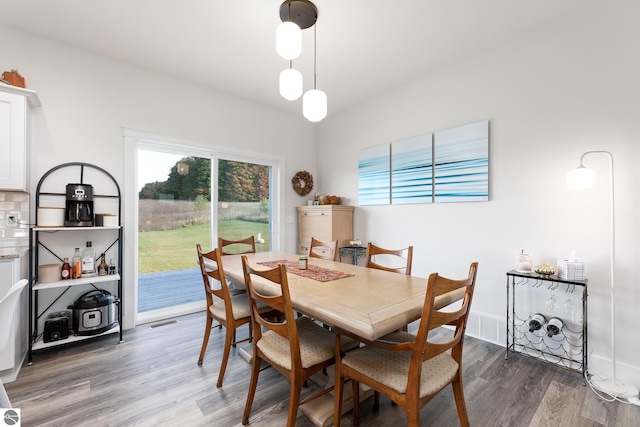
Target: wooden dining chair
412, 369
234, 247
296, 347
395, 260
323, 250
230, 311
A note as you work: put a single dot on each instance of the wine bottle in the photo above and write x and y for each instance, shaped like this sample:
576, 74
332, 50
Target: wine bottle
66, 270
89, 261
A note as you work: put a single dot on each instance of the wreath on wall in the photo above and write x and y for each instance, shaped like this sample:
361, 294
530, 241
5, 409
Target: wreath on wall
302, 182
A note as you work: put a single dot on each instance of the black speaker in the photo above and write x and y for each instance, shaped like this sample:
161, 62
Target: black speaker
56, 327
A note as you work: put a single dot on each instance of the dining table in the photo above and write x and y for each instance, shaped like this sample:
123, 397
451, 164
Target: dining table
367, 302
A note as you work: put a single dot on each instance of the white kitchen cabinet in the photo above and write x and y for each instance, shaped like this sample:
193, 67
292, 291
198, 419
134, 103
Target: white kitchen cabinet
15, 117
12, 270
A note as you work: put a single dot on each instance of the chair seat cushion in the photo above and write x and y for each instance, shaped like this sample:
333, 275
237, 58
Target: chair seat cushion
392, 368
239, 305
317, 344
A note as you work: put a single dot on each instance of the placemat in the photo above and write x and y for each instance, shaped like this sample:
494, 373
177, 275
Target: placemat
314, 272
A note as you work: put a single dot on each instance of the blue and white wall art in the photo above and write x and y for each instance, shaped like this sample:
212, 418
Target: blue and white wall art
462, 163
412, 170
451, 165
374, 175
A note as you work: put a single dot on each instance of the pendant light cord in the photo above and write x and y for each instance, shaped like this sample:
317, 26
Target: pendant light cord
315, 54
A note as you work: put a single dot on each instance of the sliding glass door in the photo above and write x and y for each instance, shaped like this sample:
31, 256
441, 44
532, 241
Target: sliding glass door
174, 214
185, 196
244, 201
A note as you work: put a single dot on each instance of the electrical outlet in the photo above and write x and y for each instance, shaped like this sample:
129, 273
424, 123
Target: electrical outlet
12, 219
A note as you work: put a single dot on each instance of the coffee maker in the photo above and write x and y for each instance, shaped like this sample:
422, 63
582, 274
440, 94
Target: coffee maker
79, 211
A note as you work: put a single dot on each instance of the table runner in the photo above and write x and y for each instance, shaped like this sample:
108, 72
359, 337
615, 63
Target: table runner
314, 272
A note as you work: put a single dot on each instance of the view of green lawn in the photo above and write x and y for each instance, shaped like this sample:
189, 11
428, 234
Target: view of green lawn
166, 250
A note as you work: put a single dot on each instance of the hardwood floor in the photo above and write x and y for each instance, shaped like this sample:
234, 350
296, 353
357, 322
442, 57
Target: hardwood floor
152, 379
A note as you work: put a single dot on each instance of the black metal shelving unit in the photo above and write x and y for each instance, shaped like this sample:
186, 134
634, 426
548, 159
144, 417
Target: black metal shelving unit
567, 349
36, 311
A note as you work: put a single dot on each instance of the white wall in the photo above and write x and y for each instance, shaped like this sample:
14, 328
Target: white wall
549, 97
87, 100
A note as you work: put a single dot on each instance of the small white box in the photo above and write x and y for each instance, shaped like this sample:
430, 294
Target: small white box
570, 270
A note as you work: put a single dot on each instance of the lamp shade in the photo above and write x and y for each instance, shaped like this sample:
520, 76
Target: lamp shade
288, 40
581, 178
314, 105
290, 84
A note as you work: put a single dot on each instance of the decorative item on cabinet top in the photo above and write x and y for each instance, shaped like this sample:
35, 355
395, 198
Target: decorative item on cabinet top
328, 200
13, 78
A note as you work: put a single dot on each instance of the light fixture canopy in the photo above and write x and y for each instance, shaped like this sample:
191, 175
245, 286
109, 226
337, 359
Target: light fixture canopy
303, 13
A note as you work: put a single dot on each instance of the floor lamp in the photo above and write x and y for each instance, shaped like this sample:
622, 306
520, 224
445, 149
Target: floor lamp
583, 178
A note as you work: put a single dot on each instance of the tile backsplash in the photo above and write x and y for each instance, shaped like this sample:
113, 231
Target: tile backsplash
14, 219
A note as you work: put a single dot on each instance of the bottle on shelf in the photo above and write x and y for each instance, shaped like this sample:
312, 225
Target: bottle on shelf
103, 268
554, 326
76, 265
89, 261
536, 321
65, 272
112, 266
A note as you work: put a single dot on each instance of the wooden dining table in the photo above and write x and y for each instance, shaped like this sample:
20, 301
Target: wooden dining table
368, 303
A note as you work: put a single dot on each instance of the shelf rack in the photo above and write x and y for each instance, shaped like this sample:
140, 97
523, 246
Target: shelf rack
63, 286
567, 349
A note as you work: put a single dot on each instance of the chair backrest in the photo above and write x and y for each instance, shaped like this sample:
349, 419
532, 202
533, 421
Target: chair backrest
286, 329
211, 268
7, 308
399, 260
234, 247
455, 315
324, 250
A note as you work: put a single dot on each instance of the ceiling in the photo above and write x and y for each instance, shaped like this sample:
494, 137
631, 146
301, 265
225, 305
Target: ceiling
364, 47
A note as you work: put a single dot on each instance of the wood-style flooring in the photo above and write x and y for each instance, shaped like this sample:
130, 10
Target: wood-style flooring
152, 379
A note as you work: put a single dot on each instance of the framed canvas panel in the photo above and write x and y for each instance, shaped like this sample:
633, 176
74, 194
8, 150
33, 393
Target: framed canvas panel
462, 163
374, 175
412, 170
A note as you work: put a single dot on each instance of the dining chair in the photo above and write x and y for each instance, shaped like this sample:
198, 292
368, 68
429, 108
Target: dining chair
7, 308
234, 247
231, 311
296, 347
323, 250
412, 369
394, 260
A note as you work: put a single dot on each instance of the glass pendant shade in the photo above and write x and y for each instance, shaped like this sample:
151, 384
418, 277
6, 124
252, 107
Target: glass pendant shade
288, 40
290, 84
581, 178
314, 105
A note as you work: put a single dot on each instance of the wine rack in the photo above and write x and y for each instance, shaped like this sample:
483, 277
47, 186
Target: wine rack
568, 348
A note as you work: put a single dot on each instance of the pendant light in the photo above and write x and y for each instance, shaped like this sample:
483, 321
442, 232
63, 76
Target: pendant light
288, 40
302, 14
290, 83
314, 102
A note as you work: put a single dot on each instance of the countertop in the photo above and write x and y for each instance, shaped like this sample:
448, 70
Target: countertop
14, 252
